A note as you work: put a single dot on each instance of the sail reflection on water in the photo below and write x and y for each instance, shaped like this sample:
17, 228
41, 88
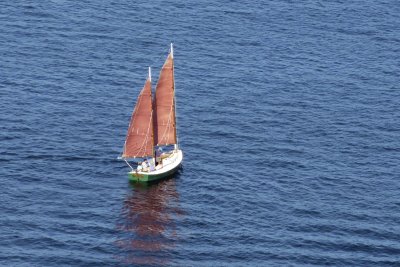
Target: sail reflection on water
148, 223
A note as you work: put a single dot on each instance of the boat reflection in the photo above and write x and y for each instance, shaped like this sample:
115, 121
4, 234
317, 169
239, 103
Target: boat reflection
148, 223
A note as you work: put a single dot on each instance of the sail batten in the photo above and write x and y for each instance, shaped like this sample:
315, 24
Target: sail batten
164, 105
139, 140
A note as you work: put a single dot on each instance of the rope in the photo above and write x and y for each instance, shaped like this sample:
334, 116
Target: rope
128, 164
143, 147
132, 120
168, 124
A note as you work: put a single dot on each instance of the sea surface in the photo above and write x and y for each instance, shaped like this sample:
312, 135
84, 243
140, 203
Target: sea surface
288, 115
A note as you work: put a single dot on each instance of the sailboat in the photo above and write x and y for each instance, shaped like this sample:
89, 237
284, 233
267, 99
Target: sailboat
152, 140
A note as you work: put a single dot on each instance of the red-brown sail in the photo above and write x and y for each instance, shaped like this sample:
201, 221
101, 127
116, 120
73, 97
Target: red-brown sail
139, 140
164, 105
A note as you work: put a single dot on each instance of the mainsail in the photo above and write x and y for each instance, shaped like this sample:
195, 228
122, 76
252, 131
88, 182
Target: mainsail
164, 105
139, 140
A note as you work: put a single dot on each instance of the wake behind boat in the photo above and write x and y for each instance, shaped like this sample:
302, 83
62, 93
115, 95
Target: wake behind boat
151, 141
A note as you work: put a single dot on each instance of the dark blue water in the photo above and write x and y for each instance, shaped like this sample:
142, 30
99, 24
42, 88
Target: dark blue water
288, 116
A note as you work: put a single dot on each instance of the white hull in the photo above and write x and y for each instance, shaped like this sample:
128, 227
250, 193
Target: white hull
169, 166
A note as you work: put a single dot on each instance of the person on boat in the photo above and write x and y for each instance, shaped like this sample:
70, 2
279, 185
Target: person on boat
152, 167
139, 167
145, 166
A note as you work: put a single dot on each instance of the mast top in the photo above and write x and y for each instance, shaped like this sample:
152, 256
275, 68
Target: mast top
150, 74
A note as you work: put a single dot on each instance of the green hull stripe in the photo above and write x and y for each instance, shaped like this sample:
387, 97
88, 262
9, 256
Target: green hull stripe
148, 178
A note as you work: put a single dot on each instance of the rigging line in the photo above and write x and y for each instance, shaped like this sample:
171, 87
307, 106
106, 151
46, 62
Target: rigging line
168, 124
147, 134
143, 146
137, 105
128, 164
132, 120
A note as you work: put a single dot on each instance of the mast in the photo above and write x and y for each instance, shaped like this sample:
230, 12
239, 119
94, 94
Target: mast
153, 152
173, 79
149, 74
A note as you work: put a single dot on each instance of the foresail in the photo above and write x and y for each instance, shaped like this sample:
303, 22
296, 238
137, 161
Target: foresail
164, 106
139, 140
